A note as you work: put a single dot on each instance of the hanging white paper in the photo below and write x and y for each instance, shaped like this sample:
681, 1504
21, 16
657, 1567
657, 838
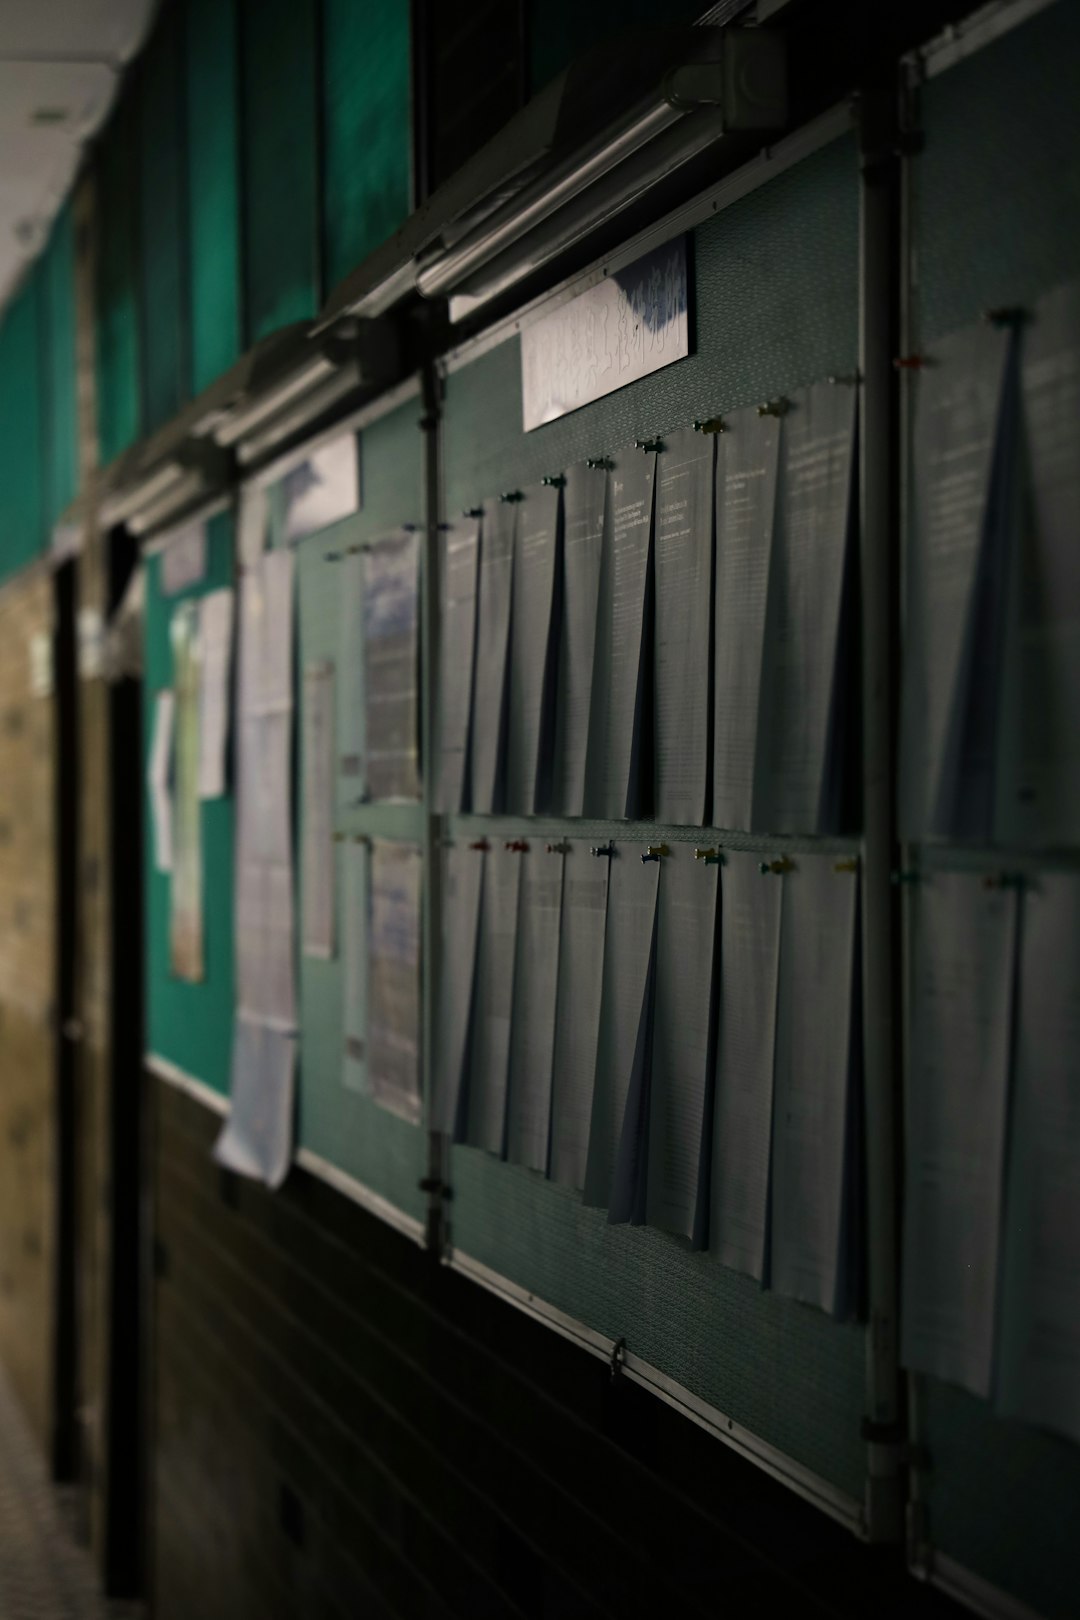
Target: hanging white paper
159, 780
618, 711
251, 525
459, 564
683, 1053
496, 955
812, 1101
392, 667
624, 1015
394, 990
746, 480
750, 907
355, 908
183, 561
533, 647
792, 791
324, 488
351, 706
489, 704
318, 820
963, 954
216, 635
684, 573
462, 891
585, 508
1039, 1318
577, 1024
532, 1039
256, 1139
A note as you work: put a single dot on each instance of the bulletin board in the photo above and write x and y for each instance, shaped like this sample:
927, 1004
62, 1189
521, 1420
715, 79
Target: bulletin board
776, 286
995, 222
344, 1128
189, 1025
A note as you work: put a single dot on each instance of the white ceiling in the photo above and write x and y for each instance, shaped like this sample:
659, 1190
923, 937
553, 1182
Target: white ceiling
60, 64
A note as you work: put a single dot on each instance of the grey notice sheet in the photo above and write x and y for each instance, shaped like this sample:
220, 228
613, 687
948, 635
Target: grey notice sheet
957, 404
350, 682
256, 1139
459, 562
585, 506
489, 704
798, 699
1039, 1333
317, 855
355, 907
963, 943
684, 571
750, 908
747, 461
812, 1084
613, 768
392, 667
1039, 773
462, 890
624, 1018
681, 1073
577, 1027
532, 1041
495, 956
533, 650
393, 1047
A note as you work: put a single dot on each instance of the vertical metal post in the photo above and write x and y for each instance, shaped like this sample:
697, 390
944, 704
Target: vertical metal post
878, 305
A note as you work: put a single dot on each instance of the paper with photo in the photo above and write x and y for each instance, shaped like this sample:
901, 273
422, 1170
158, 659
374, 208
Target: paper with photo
490, 707
533, 649
462, 890
962, 964
532, 1037
684, 583
394, 985
392, 667
585, 513
216, 637
577, 1024
323, 488
459, 565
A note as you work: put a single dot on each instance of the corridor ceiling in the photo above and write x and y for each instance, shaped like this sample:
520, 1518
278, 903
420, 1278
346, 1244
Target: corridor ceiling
60, 64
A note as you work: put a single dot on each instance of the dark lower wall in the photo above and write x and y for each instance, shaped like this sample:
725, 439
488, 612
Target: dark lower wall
344, 1428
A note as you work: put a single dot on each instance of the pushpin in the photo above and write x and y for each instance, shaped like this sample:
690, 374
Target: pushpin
711, 424
649, 444
561, 848
846, 379
851, 864
332, 556
603, 849
775, 407
899, 877
553, 480
481, 843
654, 852
597, 463
1004, 880
911, 362
517, 846
473, 512
511, 495
782, 864
1006, 315
711, 857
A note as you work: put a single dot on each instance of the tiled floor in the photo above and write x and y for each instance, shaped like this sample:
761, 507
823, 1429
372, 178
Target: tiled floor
44, 1575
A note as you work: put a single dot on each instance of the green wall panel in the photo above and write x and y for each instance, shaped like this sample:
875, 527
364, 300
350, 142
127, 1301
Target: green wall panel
58, 362
189, 1024
996, 221
349, 1130
213, 189
117, 294
22, 529
163, 268
367, 150
777, 306
280, 162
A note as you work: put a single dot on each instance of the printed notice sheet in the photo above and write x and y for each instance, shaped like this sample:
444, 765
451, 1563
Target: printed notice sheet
1039, 1332
318, 816
585, 509
577, 1029
216, 637
496, 953
351, 708
684, 570
963, 953
159, 779
355, 907
323, 488
489, 704
532, 1039
186, 889
393, 1052
750, 908
392, 667
462, 891
808, 1243
533, 651
792, 791
183, 561
619, 698
458, 565
680, 1088
624, 1017
747, 461
257, 1137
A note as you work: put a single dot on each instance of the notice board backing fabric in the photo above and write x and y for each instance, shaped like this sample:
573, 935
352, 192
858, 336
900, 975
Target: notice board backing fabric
787, 1373
386, 1154
190, 1024
213, 157
1003, 123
